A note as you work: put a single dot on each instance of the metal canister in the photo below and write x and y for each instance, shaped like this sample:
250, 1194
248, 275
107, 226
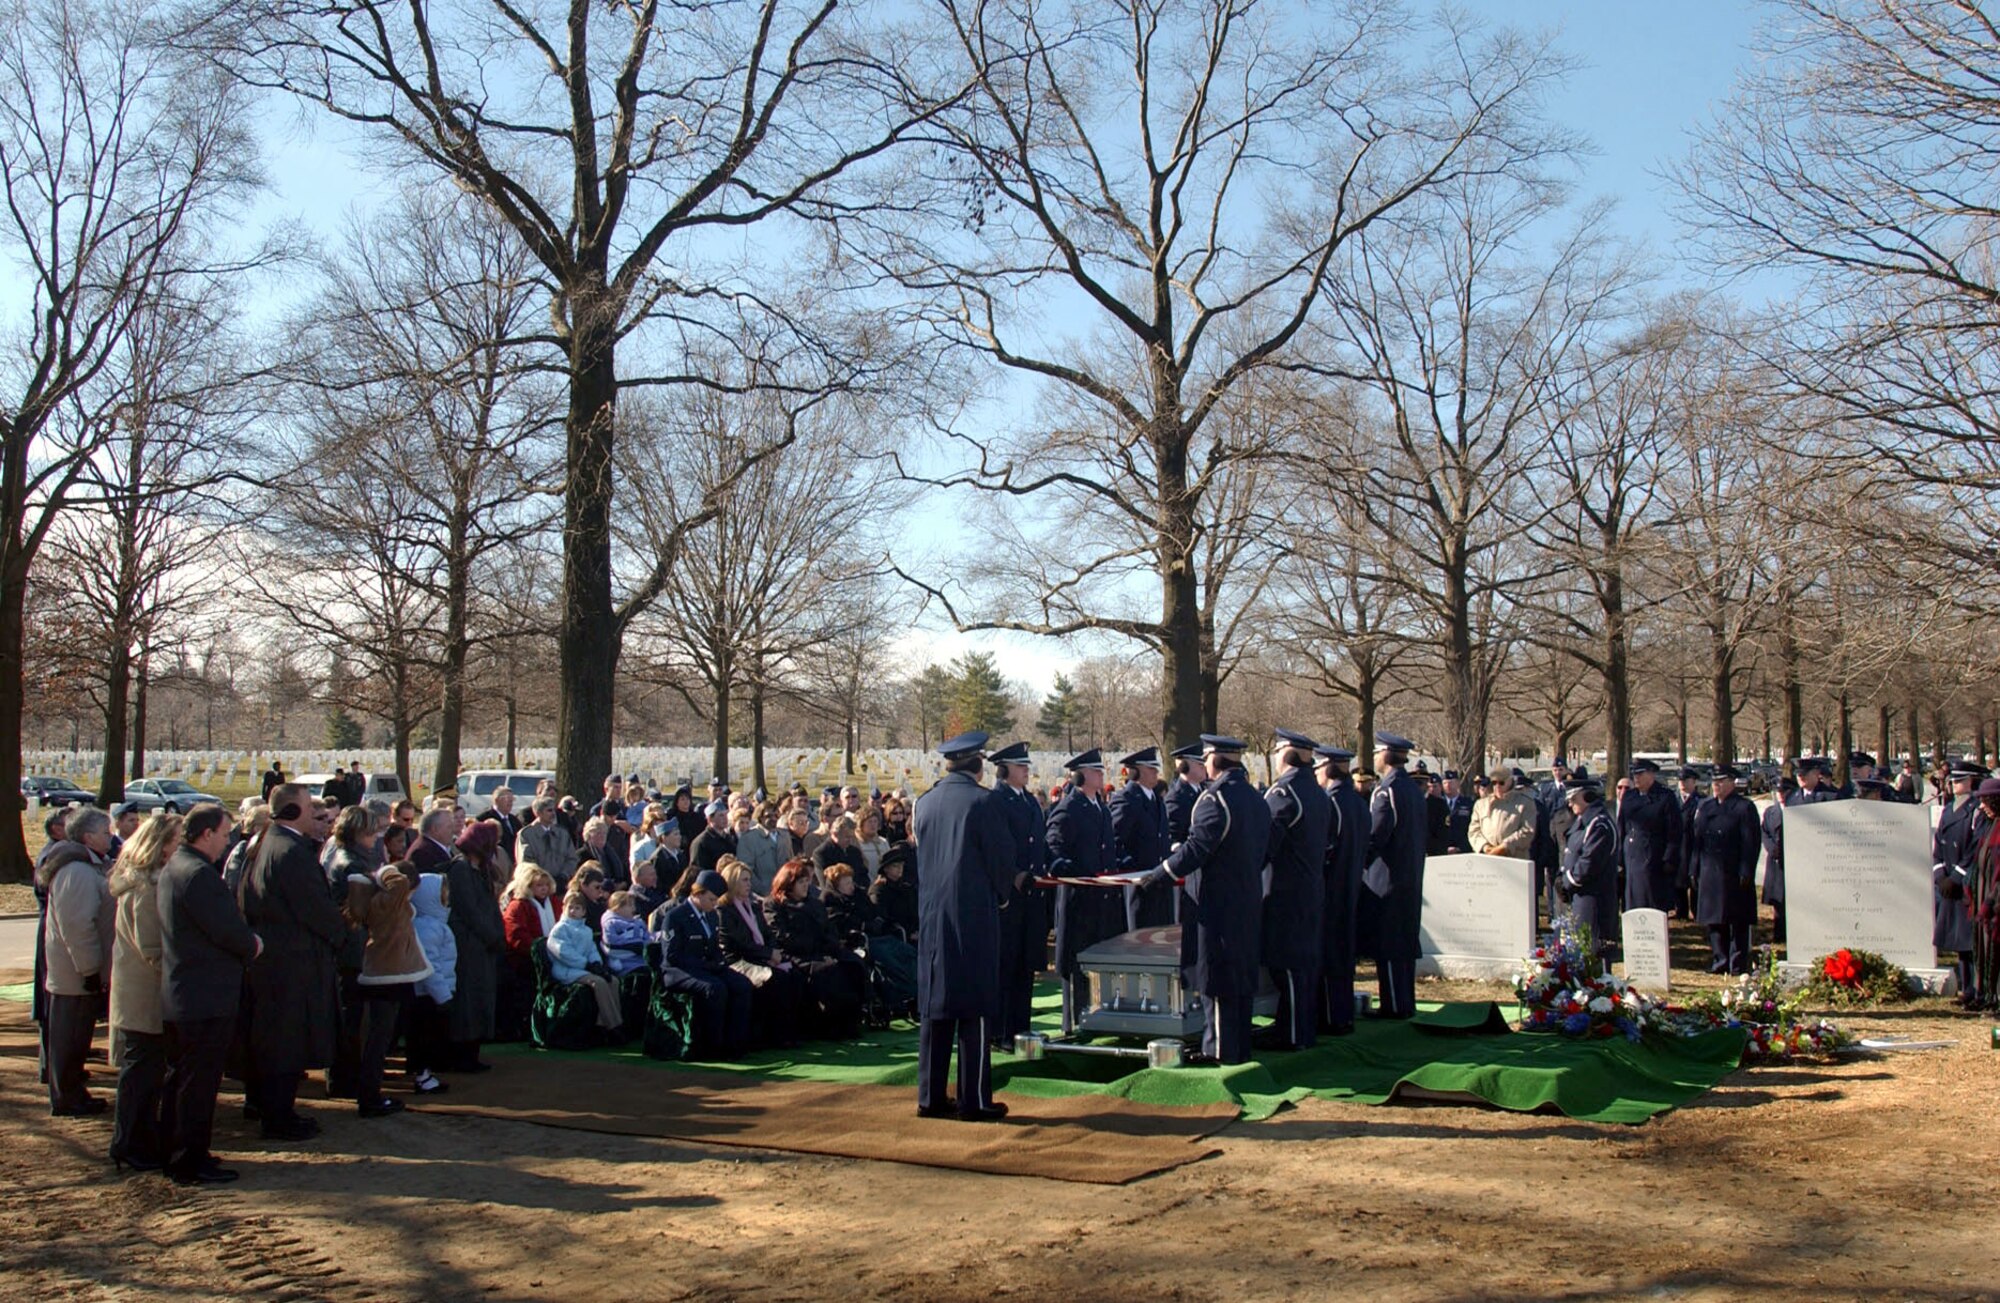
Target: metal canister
1030, 1046
1165, 1052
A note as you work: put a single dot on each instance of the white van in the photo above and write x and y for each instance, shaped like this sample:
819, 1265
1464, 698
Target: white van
477, 786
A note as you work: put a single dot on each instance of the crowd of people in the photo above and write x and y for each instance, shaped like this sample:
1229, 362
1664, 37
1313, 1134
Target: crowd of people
306, 933
311, 932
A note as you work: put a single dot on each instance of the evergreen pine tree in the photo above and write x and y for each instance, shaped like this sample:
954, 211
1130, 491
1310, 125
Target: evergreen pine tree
1060, 712
979, 697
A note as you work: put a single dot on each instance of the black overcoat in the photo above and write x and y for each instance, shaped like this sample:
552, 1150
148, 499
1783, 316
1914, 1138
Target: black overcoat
294, 1000
1649, 839
472, 912
1724, 839
1590, 873
967, 869
1080, 846
1346, 856
1393, 908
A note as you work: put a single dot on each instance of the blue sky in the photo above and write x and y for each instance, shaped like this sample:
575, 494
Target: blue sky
1649, 74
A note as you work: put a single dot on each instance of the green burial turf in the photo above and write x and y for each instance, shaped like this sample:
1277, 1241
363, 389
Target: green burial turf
19, 992
1450, 1048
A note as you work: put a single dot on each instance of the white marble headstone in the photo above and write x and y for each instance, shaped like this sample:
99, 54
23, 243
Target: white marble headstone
1479, 916
1648, 956
1858, 875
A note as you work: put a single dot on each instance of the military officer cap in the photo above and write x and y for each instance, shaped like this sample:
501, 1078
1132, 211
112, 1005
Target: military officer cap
953, 747
1014, 753
1340, 754
1394, 742
1091, 759
1192, 751
710, 881
1644, 767
714, 808
1143, 756
1520, 779
1586, 787
1423, 769
1451, 774
1882, 785
1223, 744
1724, 771
1291, 737
1966, 769
1687, 771
1861, 758
1810, 764
1559, 763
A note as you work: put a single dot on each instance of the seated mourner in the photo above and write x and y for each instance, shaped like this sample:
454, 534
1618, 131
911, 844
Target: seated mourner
691, 962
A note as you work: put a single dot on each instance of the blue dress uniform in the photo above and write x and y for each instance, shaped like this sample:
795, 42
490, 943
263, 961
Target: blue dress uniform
1294, 908
1024, 919
1394, 878
1139, 826
967, 855
1080, 845
1687, 875
1722, 845
1222, 866
1181, 796
1458, 820
1346, 857
1955, 858
1649, 839
1587, 882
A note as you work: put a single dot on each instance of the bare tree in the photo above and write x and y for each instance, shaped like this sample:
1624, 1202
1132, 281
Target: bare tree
610, 140
1153, 217
113, 156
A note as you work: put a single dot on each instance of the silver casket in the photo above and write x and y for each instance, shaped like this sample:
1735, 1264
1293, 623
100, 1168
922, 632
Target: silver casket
1134, 988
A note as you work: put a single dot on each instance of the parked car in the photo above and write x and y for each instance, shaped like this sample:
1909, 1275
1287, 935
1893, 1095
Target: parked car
150, 794
379, 791
55, 791
477, 786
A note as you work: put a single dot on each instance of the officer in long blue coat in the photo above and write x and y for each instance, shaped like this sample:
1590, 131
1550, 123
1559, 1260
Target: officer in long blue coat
1024, 919
1190, 776
1295, 904
1221, 864
1458, 815
1080, 845
1393, 881
1587, 882
1724, 840
1346, 857
1649, 839
1686, 873
1139, 826
967, 858
1954, 859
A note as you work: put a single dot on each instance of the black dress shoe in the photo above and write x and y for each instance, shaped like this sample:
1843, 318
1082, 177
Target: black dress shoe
944, 1110
209, 1173
293, 1128
382, 1108
122, 1161
90, 1108
991, 1113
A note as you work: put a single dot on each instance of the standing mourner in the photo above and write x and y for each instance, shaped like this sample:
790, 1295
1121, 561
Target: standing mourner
1686, 873
1983, 901
138, 1041
1587, 883
294, 998
1295, 899
1503, 823
77, 935
1080, 846
1190, 776
967, 863
205, 946
1346, 857
1458, 812
1724, 838
1139, 826
1649, 838
1221, 867
272, 777
1954, 859
1024, 922
1393, 905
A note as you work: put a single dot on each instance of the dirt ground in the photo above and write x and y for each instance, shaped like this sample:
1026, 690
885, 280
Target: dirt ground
1873, 1178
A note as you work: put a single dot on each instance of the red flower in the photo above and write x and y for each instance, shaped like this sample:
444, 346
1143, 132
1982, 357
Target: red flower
1841, 967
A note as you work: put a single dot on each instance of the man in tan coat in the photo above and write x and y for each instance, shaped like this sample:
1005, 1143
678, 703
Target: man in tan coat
1504, 823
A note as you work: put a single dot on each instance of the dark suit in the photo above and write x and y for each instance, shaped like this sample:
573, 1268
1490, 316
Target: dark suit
429, 856
294, 1000
1080, 845
204, 948
967, 857
692, 962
